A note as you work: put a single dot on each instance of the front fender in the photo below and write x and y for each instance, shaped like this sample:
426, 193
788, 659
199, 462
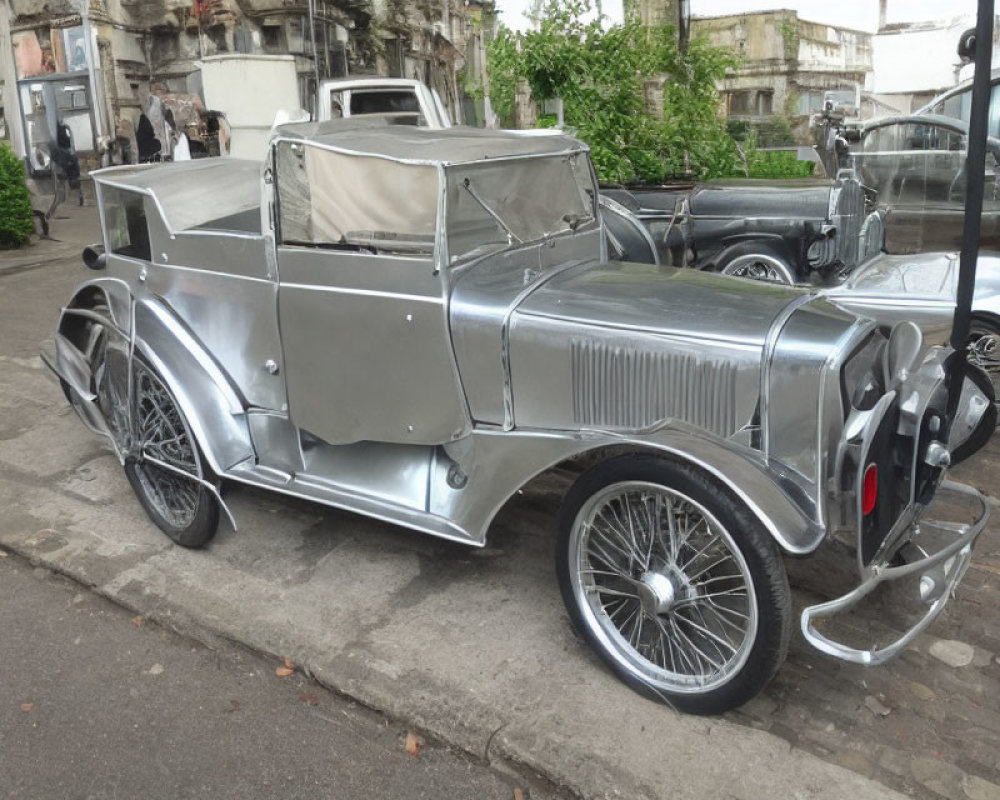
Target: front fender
496, 464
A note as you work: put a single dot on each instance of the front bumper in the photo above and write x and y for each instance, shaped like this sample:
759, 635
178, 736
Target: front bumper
939, 573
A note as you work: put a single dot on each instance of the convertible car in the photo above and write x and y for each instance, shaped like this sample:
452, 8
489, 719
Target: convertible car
412, 324
800, 231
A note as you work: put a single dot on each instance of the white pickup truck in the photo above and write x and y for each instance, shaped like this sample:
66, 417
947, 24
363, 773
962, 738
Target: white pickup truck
404, 101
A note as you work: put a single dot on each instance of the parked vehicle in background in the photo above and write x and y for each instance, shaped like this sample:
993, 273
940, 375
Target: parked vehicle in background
398, 100
791, 231
921, 288
412, 324
957, 104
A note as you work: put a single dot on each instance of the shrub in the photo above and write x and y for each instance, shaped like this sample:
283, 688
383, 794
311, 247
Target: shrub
16, 223
603, 76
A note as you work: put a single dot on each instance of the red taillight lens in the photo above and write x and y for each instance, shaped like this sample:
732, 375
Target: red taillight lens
869, 489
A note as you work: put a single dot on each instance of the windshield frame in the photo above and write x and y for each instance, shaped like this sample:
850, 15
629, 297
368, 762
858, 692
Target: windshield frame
586, 183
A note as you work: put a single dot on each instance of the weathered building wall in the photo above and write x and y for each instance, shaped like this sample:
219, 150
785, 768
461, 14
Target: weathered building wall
140, 48
786, 64
913, 62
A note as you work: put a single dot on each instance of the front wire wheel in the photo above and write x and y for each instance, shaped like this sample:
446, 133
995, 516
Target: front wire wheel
171, 491
675, 585
984, 349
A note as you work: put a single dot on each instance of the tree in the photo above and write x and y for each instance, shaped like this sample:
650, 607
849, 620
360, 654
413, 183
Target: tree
16, 223
602, 77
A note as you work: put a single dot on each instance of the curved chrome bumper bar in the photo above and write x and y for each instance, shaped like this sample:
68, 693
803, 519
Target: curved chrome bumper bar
940, 572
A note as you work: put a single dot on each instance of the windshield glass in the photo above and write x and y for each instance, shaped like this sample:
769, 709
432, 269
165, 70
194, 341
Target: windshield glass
336, 200
491, 206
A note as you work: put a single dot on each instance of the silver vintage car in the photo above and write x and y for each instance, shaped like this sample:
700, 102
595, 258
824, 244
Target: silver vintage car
413, 324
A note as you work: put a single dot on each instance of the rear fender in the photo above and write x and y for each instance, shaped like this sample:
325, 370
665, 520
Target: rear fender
213, 408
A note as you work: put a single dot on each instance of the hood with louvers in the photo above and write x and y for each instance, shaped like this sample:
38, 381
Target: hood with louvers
626, 346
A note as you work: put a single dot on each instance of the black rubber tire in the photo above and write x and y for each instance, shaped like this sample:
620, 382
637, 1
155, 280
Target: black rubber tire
766, 569
205, 520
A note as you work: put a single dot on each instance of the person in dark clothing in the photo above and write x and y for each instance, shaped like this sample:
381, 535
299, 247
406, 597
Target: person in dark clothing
146, 142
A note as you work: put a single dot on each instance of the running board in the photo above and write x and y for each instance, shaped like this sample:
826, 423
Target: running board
328, 493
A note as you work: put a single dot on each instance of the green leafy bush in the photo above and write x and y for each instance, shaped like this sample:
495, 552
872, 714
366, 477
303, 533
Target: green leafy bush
603, 77
776, 164
16, 223
754, 163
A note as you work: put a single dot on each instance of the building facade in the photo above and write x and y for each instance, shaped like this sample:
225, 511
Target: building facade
92, 66
787, 64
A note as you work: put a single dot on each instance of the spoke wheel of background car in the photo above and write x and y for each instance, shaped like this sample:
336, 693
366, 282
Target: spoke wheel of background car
674, 583
175, 498
758, 264
984, 349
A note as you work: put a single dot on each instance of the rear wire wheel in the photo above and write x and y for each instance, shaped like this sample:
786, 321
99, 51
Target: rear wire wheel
175, 499
675, 584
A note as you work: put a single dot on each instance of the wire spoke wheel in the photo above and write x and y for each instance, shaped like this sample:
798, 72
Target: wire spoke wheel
161, 433
666, 585
984, 350
111, 388
675, 585
165, 465
758, 267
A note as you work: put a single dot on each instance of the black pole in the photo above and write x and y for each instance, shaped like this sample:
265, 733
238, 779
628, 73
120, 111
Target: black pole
975, 169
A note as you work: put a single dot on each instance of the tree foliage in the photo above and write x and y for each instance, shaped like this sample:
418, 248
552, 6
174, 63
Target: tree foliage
16, 223
604, 78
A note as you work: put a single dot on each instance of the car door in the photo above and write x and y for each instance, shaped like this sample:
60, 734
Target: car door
362, 308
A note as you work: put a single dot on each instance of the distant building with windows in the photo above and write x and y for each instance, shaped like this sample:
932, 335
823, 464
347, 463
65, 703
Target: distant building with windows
788, 65
93, 65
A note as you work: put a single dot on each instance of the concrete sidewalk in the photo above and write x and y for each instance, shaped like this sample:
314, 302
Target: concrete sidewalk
474, 646
71, 228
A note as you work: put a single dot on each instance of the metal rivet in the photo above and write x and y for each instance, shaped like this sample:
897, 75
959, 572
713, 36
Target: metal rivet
271, 366
142, 274
409, 429
409, 317
164, 257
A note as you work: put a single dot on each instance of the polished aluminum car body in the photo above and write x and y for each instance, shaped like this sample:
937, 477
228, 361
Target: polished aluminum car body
412, 325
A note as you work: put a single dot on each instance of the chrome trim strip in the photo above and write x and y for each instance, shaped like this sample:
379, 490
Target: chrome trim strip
726, 341
766, 359
415, 298
423, 162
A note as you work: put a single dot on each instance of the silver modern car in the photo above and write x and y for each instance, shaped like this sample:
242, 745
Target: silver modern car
413, 324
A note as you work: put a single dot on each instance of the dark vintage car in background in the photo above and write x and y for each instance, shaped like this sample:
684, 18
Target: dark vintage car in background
792, 231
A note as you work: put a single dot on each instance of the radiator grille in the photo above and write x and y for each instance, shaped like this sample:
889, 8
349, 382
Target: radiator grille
848, 215
617, 387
